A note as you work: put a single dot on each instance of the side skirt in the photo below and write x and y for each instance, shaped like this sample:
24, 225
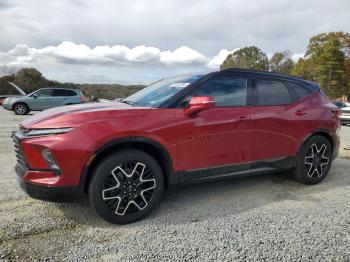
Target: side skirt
274, 165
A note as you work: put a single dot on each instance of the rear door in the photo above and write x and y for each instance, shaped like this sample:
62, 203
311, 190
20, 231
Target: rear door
278, 123
59, 97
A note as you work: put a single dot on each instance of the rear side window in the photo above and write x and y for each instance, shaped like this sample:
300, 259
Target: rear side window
70, 93
226, 90
299, 90
63, 92
271, 92
59, 92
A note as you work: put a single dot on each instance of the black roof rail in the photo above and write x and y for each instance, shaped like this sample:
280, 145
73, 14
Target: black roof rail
254, 71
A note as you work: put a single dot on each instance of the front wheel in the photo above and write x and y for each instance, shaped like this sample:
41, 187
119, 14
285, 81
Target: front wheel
314, 160
21, 109
126, 186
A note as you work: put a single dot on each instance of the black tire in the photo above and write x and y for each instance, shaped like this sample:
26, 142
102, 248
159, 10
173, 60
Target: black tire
21, 109
314, 160
110, 188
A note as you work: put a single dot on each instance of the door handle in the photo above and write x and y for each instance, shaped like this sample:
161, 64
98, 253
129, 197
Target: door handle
242, 119
300, 112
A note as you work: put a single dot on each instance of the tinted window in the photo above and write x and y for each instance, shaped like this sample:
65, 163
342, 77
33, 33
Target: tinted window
226, 90
298, 89
339, 104
272, 93
59, 92
45, 92
63, 92
70, 93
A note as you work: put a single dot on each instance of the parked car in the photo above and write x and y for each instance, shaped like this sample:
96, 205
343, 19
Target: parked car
345, 109
2, 98
43, 99
179, 130
19, 90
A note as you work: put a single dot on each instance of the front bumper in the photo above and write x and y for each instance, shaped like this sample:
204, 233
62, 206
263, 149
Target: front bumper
35, 177
46, 193
7, 106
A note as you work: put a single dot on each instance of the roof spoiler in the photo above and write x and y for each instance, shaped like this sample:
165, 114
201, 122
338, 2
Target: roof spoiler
20, 90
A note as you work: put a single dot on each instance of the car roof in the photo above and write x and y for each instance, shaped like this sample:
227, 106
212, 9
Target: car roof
253, 72
58, 88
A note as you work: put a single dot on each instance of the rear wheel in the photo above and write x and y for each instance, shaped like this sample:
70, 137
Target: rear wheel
126, 186
21, 109
314, 160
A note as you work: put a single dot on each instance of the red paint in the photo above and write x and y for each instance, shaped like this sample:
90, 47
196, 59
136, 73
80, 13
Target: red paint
211, 136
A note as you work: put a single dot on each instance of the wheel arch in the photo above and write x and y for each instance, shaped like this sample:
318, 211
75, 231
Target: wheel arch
19, 102
326, 133
321, 132
147, 145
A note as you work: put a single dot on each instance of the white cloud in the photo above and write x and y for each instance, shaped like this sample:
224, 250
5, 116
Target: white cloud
71, 53
217, 60
182, 55
296, 57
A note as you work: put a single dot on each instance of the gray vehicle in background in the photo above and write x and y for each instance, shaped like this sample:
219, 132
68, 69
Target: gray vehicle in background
43, 99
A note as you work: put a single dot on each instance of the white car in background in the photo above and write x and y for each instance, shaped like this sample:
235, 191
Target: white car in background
345, 109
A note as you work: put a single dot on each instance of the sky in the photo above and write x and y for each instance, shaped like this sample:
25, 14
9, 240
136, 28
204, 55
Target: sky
139, 41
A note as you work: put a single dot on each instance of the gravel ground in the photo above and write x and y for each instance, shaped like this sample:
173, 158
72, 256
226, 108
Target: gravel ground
265, 217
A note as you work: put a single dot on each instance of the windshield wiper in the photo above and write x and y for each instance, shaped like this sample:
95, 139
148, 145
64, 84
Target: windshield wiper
128, 102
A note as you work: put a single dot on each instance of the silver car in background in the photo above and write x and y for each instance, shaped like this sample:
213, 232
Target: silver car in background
345, 109
43, 99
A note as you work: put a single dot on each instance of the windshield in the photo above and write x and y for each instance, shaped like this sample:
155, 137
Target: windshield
157, 93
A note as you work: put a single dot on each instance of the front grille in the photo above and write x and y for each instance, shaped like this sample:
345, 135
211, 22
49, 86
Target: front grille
19, 154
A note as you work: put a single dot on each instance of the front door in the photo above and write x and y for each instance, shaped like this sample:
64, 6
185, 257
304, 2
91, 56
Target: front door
221, 137
40, 100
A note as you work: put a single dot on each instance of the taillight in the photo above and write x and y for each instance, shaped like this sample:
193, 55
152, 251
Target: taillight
83, 99
336, 112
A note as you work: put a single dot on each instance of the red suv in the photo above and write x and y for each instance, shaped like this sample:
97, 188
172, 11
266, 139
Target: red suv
178, 130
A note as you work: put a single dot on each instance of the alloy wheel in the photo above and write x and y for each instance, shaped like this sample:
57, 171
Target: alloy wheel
129, 188
316, 160
20, 109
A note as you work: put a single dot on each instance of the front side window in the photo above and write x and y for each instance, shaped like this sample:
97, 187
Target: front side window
226, 90
44, 93
271, 92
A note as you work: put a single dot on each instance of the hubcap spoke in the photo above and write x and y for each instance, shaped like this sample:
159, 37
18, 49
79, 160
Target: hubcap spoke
129, 188
316, 161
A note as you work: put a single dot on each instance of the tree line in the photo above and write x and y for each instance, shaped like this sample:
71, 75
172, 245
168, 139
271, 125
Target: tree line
30, 79
326, 61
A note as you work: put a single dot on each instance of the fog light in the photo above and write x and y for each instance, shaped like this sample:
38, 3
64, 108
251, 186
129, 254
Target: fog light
50, 161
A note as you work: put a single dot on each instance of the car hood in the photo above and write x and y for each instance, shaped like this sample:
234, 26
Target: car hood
76, 115
13, 98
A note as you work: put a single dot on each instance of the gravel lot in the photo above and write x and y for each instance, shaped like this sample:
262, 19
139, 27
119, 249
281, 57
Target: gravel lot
255, 218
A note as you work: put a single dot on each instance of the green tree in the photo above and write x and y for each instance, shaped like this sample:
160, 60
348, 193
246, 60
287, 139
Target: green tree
30, 79
281, 62
305, 69
248, 57
324, 62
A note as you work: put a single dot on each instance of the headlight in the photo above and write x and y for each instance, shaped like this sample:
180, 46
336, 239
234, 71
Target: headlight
51, 131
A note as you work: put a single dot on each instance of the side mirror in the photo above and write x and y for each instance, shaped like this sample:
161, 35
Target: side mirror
35, 95
199, 103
